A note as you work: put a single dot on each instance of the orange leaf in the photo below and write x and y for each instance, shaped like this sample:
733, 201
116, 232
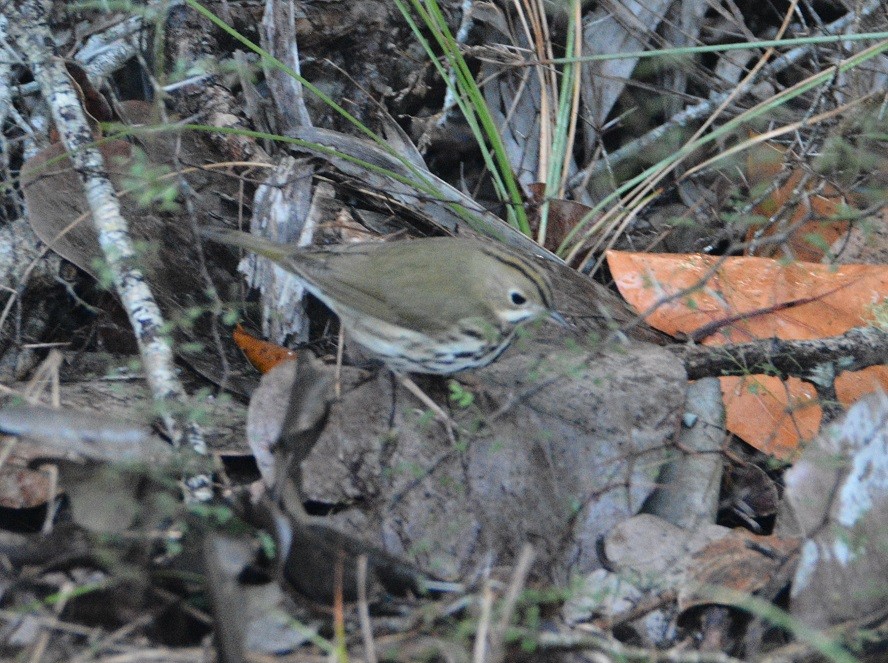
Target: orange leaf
770, 414
762, 297
262, 354
744, 299
763, 165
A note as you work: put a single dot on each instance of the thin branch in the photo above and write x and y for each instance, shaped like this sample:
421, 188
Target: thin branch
858, 348
704, 108
30, 32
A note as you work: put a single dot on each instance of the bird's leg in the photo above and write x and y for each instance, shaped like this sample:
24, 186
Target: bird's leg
439, 412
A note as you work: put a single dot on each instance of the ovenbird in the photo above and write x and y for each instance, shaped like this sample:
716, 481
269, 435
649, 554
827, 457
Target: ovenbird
435, 305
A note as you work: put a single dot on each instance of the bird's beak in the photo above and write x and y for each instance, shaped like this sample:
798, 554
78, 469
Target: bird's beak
558, 318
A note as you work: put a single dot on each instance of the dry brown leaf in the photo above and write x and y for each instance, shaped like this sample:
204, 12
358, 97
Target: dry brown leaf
741, 562
59, 214
563, 215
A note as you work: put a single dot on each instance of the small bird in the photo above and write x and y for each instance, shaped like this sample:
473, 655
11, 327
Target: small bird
436, 305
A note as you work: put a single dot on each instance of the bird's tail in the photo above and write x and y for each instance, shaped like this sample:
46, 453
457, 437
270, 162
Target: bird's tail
260, 245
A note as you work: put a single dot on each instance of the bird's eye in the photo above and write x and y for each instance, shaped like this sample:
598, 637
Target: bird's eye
517, 298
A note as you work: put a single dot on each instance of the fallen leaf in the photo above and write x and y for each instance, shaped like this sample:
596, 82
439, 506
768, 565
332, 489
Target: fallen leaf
562, 217
744, 299
809, 239
58, 212
262, 354
741, 562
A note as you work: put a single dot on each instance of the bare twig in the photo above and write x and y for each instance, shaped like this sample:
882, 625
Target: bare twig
705, 108
510, 600
30, 31
617, 651
856, 349
364, 612
479, 651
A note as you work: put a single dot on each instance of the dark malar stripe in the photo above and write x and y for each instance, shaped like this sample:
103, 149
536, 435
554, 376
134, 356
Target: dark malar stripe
471, 333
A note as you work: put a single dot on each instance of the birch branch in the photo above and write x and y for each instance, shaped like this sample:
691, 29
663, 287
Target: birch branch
30, 33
